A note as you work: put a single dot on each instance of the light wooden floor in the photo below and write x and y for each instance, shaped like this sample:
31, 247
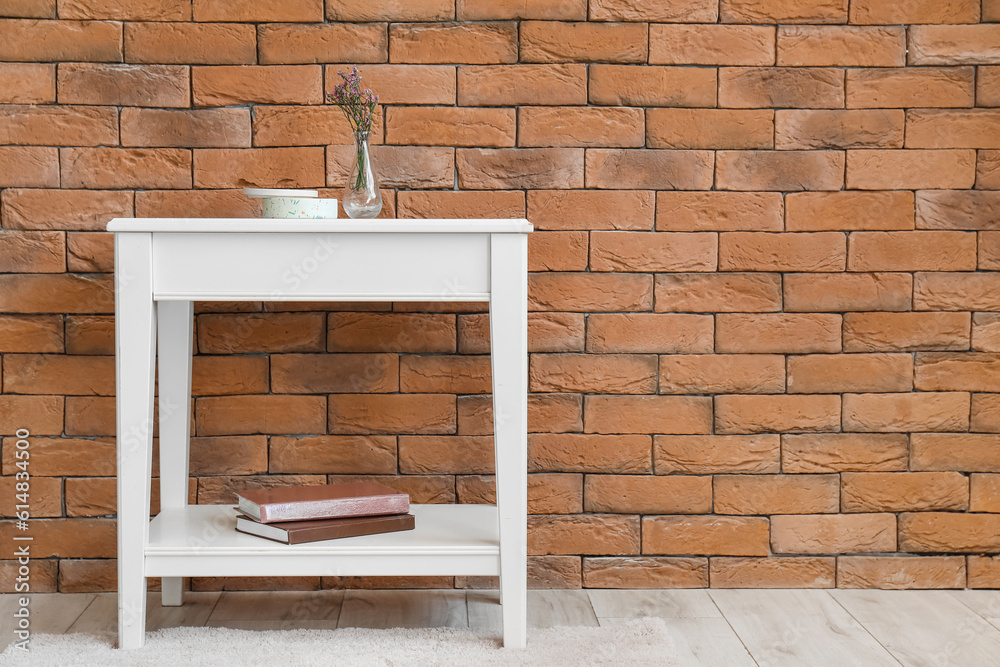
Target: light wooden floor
709, 627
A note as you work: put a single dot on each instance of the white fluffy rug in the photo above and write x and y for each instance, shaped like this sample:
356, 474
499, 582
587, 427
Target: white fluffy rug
640, 642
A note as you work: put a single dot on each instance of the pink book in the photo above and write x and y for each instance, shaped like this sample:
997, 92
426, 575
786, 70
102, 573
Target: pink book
327, 501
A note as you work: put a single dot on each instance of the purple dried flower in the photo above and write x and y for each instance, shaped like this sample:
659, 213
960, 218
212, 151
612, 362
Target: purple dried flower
358, 105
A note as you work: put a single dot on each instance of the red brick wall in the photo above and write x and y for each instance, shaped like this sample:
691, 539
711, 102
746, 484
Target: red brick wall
765, 325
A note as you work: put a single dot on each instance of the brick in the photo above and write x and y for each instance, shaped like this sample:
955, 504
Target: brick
29, 167
453, 454
225, 85
912, 87
776, 494
479, 10
90, 335
778, 333
43, 414
783, 11
587, 292
392, 413
445, 374
912, 251
780, 170
467, 43
710, 293
991, 11
45, 496
433, 126
591, 209
237, 415
258, 167
984, 571
634, 494
98, 496
946, 128
576, 452
954, 45
673, 415
519, 168
642, 85
914, 11
644, 251
949, 532
986, 413
457, 204
391, 332
497, 85
711, 45
583, 534
756, 251
251, 11
31, 333
65, 40
32, 252
688, 11
984, 493
58, 126
68, 538
27, 83
223, 128
126, 10
382, 10
422, 488
835, 533
552, 42
60, 293
706, 454
257, 333
88, 210
228, 375
548, 572
952, 371
802, 130
557, 251
306, 126
91, 416
334, 374
904, 492
402, 84
398, 166
57, 457
966, 452
776, 413
710, 535
843, 452
125, 167
848, 211
839, 46
43, 9
547, 494
839, 292
986, 87
599, 374
650, 333
900, 573
886, 413
709, 128
352, 454
547, 332
645, 573
58, 374
218, 490
649, 169
786, 87
190, 43
836, 374
719, 211
893, 332
910, 169
125, 85
86, 253
947, 209
721, 374
956, 291
321, 43
229, 456
582, 127
773, 572
551, 413
89, 576
986, 332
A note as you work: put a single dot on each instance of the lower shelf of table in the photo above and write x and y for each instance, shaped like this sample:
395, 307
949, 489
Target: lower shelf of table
201, 540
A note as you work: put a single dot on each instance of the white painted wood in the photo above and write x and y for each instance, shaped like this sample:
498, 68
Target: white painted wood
799, 627
707, 642
509, 365
404, 609
986, 603
175, 326
911, 625
380, 226
550, 609
277, 610
693, 603
135, 345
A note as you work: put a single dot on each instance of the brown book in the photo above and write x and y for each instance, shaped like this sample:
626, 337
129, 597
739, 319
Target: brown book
297, 532
326, 501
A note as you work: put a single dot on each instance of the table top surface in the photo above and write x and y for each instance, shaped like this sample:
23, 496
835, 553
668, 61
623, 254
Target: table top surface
337, 226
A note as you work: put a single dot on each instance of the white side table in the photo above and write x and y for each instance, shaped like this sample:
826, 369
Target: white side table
163, 265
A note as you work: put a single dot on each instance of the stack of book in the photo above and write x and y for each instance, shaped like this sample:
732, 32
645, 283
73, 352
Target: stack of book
297, 514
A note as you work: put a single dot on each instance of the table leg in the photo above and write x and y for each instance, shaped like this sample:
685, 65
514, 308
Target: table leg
509, 346
174, 343
135, 345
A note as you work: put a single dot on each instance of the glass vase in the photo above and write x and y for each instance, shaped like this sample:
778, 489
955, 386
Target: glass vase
362, 197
